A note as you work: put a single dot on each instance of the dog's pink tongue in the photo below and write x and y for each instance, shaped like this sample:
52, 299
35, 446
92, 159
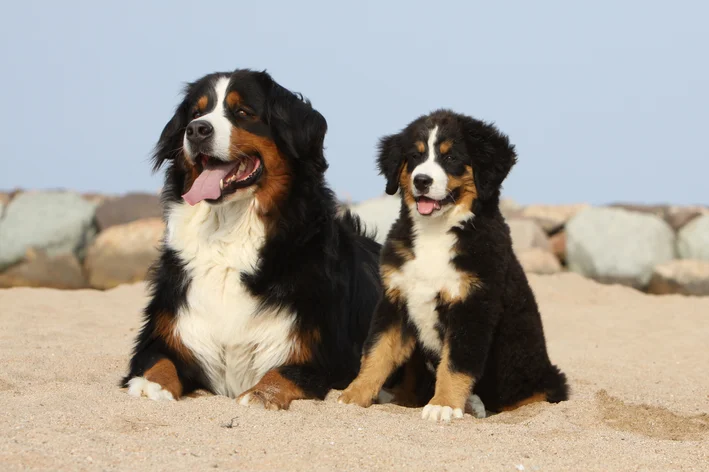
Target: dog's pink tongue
206, 186
425, 206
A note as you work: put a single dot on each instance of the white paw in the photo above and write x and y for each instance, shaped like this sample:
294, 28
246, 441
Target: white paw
440, 413
245, 400
478, 407
384, 397
140, 386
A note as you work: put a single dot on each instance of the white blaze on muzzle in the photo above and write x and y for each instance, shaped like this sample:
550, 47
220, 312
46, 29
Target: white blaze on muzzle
220, 141
439, 185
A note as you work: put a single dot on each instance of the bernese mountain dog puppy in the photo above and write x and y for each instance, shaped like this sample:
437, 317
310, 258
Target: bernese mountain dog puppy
264, 289
455, 296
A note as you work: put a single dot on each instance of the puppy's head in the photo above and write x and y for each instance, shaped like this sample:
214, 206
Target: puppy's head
446, 160
241, 135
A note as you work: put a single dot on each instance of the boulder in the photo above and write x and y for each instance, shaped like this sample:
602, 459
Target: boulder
685, 277
539, 261
558, 245
123, 253
378, 214
56, 222
131, 207
509, 208
62, 271
552, 217
526, 234
693, 239
613, 245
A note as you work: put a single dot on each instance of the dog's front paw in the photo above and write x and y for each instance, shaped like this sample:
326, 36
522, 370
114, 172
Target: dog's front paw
263, 399
435, 412
357, 395
142, 387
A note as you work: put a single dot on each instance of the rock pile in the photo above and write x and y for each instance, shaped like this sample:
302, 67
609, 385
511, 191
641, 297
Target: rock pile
65, 240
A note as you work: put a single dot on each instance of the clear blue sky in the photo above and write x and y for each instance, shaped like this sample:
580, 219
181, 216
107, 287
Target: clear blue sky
606, 101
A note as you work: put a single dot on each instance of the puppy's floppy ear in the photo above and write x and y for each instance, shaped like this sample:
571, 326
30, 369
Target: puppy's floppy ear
298, 129
492, 154
169, 145
390, 161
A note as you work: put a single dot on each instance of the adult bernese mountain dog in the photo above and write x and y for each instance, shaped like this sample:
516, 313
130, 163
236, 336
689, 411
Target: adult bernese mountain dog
455, 296
264, 289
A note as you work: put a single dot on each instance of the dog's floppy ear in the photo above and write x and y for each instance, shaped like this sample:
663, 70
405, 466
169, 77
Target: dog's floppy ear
298, 129
492, 154
169, 145
390, 160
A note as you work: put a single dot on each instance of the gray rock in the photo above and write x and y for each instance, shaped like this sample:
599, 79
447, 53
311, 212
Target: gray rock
131, 207
539, 261
685, 277
693, 239
40, 270
124, 253
526, 235
614, 245
55, 222
378, 214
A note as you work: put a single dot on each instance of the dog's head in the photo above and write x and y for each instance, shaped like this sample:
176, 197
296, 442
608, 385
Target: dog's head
240, 135
443, 160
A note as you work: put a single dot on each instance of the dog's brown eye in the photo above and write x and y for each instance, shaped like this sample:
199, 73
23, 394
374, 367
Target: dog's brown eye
242, 112
196, 114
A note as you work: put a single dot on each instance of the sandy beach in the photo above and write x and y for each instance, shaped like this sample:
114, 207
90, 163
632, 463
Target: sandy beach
637, 365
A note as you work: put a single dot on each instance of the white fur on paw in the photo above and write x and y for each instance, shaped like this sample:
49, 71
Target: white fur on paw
246, 400
140, 386
384, 397
478, 407
440, 413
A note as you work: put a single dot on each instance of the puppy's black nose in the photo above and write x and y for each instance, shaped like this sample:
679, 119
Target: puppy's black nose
198, 131
422, 182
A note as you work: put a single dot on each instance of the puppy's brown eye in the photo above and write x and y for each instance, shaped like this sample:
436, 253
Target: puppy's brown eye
196, 114
242, 112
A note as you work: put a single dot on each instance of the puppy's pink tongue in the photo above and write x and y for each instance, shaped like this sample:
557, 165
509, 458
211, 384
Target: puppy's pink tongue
206, 186
425, 206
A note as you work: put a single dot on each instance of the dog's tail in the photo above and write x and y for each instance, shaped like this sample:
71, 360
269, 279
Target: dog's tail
555, 385
354, 222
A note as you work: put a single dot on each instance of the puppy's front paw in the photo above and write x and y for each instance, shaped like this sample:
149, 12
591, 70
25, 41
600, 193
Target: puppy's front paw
476, 406
434, 412
142, 387
356, 395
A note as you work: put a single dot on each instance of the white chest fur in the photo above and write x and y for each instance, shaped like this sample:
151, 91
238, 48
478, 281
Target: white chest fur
421, 279
220, 324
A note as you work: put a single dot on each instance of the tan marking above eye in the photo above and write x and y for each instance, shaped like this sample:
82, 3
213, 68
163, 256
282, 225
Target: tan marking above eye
202, 103
233, 99
420, 146
445, 146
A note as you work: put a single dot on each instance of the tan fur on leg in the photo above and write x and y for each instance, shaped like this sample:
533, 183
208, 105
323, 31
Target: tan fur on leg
388, 353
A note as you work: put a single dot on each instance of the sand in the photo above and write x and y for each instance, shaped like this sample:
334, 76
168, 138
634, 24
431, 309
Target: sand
637, 365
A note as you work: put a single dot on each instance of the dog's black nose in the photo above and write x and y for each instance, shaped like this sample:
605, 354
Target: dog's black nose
198, 131
422, 182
